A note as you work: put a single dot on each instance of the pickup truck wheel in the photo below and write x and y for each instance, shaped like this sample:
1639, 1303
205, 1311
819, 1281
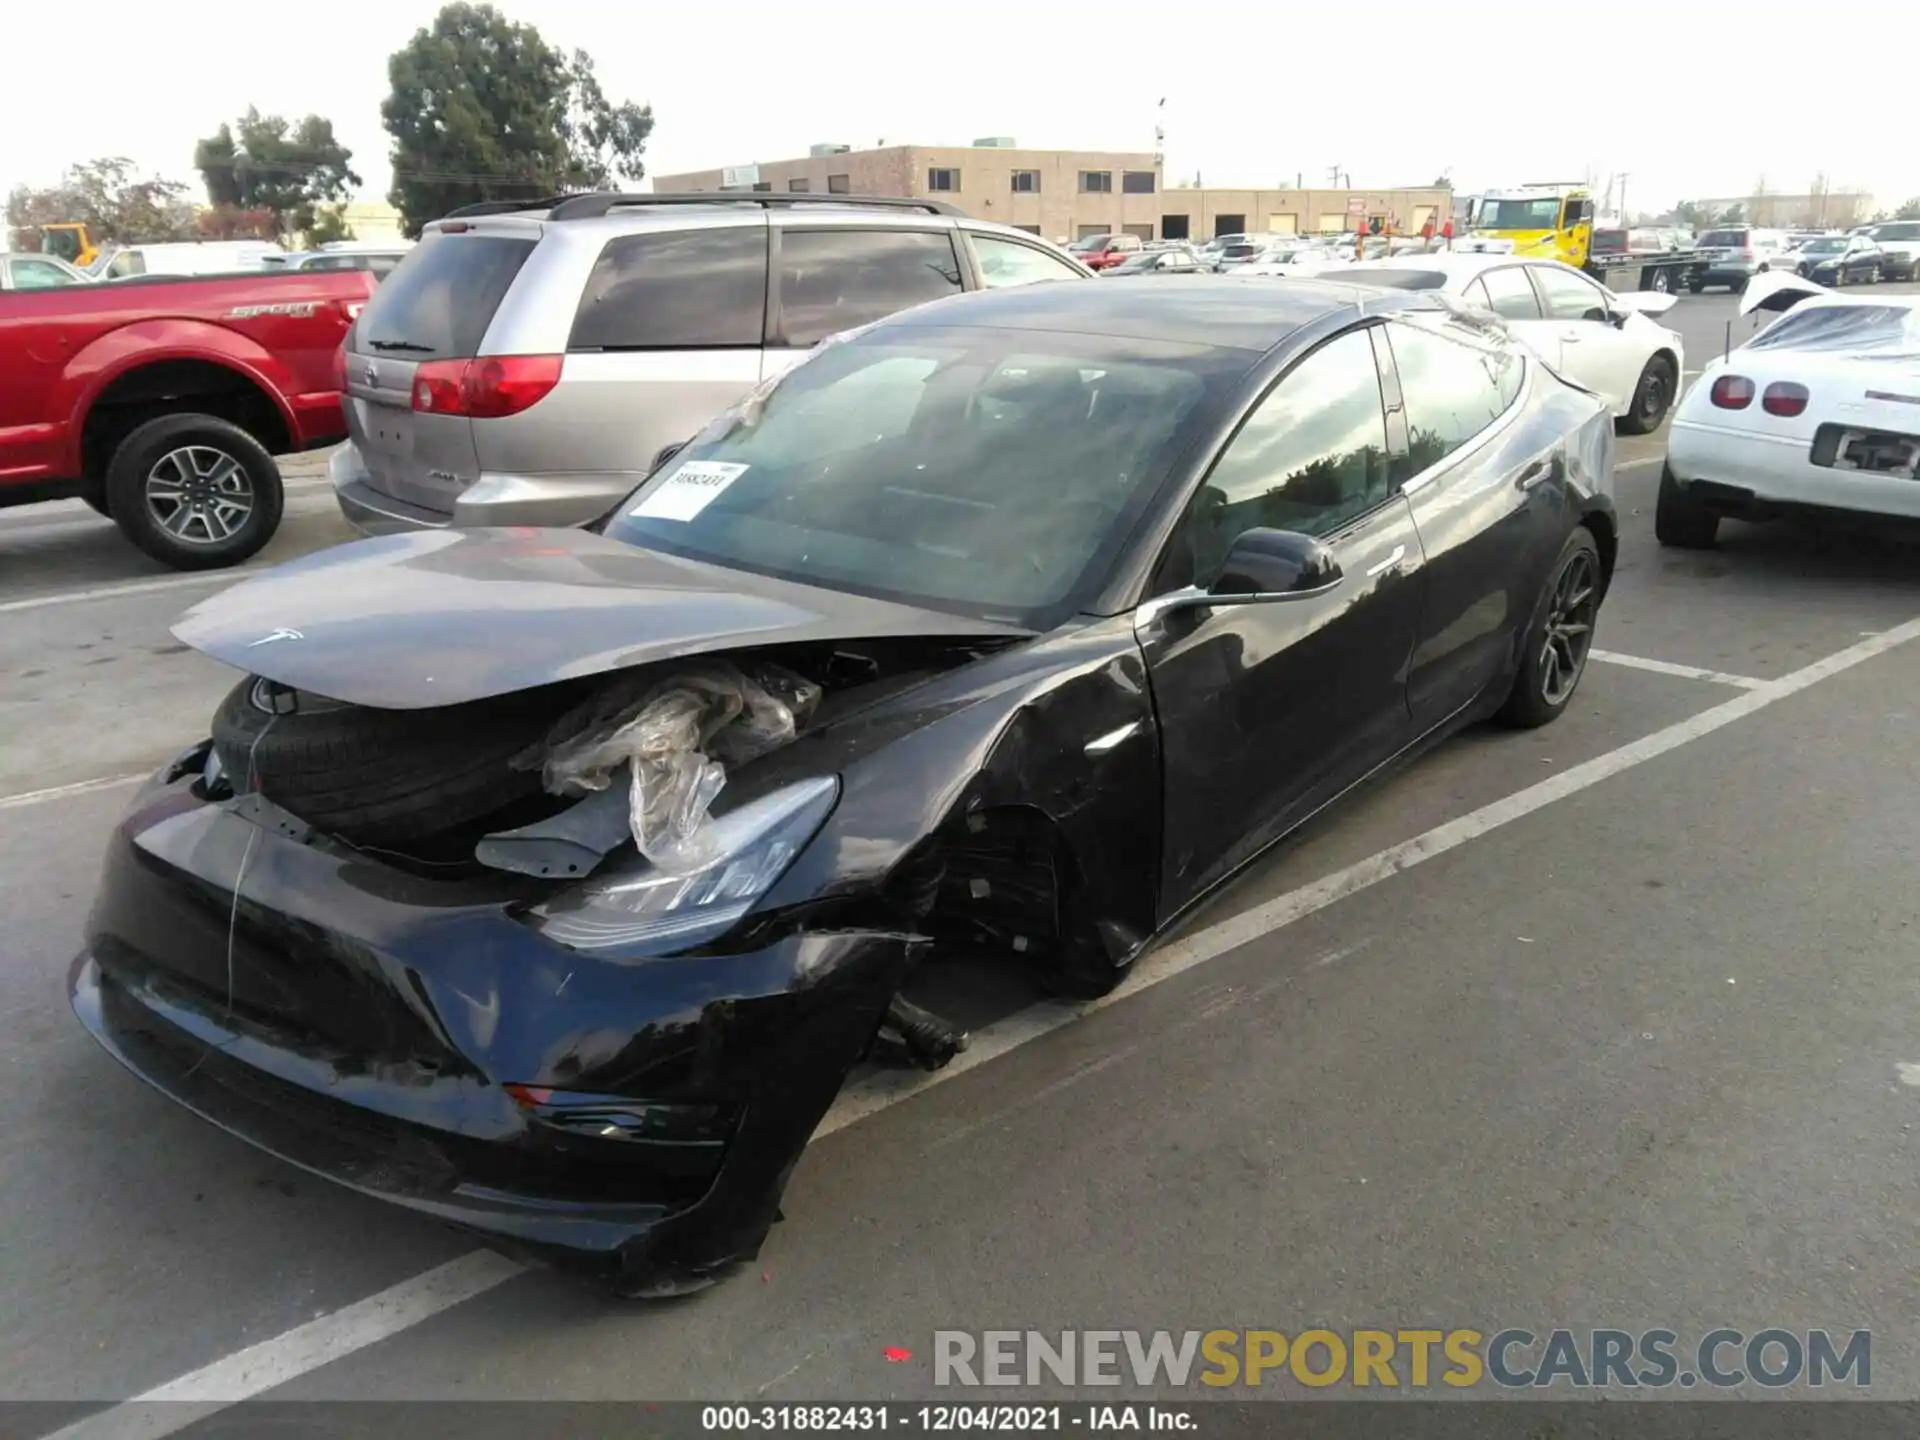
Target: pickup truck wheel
1651, 398
194, 492
1680, 520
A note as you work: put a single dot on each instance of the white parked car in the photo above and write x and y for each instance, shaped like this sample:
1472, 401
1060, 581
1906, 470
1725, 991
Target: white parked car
1609, 343
1296, 258
210, 257
1818, 413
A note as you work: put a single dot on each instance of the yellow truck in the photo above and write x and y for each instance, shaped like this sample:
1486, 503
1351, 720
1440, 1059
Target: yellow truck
1556, 222
70, 242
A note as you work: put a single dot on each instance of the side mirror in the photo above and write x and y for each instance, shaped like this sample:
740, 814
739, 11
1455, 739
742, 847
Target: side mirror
1276, 562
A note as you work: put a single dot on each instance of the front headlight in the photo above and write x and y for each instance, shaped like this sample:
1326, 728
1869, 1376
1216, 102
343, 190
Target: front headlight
640, 907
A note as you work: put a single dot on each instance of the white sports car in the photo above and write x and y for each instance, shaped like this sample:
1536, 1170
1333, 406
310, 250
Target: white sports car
1606, 342
1819, 413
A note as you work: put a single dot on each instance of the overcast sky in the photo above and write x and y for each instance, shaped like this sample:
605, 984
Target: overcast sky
1688, 98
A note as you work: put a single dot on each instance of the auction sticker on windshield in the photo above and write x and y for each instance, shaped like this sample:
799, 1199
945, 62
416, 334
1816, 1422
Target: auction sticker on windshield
689, 490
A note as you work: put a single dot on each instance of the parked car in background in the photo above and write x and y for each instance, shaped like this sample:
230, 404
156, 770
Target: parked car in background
1094, 593
162, 401
1103, 252
211, 257
1733, 255
1159, 262
1840, 260
381, 260
38, 272
1899, 242
1297, 257
1598, 339
1814, 417
526, 366
1235, 253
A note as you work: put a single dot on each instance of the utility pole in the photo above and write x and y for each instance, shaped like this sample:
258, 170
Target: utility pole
1625, 218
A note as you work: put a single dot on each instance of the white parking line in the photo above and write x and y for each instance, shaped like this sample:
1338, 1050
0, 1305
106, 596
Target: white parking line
62, 792
133, 587
271, 1363
1666, 667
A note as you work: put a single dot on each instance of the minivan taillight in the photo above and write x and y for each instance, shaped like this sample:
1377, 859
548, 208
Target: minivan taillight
1783, 397
1730, 392
488, 388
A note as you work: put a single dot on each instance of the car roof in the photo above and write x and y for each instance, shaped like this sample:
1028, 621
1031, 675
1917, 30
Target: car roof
1226, 312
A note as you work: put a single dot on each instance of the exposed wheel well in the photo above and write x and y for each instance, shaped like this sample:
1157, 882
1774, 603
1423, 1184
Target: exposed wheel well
1601, 527
172, 387
997, 877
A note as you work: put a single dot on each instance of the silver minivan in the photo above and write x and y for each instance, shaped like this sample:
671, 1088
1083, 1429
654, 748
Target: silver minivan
525, 366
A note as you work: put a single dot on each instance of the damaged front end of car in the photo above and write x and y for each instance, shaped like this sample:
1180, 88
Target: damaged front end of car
579, 964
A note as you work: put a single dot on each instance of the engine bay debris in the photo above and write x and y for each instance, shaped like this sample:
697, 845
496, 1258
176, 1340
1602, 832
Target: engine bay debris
673, 737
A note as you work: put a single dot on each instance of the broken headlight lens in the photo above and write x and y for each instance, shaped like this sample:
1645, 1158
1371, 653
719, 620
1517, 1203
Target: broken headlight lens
642, 907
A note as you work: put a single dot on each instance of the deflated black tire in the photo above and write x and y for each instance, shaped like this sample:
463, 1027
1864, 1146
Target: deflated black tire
379, 777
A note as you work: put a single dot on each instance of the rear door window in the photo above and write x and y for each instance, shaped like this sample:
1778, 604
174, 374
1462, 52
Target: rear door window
834, 280
1512, 296
703, 289
441, 302
1453, 389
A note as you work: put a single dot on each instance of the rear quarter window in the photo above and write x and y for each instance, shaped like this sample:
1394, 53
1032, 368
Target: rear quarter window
441, 301
703, 289
834, 280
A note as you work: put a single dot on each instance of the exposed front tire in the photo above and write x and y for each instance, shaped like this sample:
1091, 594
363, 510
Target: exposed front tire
379, 777
1680, 520
194, 492
1652, 398
1553, 654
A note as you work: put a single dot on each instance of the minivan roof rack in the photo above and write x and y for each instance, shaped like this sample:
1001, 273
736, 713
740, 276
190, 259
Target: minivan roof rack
503, 207
588, 207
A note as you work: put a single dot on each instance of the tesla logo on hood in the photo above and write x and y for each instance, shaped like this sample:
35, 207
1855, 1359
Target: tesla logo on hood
281, 634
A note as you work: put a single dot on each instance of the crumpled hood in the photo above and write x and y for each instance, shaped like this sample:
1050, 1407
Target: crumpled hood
408, 622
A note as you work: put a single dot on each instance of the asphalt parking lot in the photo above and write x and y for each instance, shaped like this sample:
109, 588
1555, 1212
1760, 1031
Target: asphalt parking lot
1612, 1023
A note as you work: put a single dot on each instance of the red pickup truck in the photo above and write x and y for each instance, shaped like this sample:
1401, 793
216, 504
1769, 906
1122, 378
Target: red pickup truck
163, 401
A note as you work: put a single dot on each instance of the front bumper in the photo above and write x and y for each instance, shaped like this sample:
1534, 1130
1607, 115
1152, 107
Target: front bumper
493, 499
363, 1023
1759, 476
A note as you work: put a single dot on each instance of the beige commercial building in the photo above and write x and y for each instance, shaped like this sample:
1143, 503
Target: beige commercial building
1064, 194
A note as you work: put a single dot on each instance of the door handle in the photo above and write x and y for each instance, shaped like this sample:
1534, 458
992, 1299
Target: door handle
1392, 562
1534, 474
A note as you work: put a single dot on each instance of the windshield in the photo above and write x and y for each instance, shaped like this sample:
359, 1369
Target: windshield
1541, 214
990, 472
1826, 245
1090, 242
1900, 230
1238, 252
1734, 238
64, 244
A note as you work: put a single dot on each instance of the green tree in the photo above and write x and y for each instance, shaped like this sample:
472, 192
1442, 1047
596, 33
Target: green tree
1909, 210
113, 200
483, 108
289, 169
329, 225
1732, 215
1693, 213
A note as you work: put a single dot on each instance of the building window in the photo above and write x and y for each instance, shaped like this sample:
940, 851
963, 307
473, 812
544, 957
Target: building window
1173, 227
762, 185
1096, 182
1026, 182
943, 177
839, 184
1030, 229
797, 187
1137, 182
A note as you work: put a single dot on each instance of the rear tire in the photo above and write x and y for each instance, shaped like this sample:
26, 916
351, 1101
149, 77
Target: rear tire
194, 492
1652, 398
1680, 521
1553, 654
380, 777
